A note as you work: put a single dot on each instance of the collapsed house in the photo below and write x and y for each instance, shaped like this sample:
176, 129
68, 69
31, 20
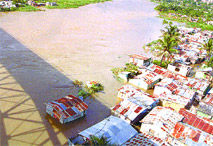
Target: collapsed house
116, 130
67, 109
134, 108
146, 80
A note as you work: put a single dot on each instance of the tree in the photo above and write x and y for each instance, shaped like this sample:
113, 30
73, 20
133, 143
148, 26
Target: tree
166, 47
169, 41
96, 141
208, 46
210, 64
171, 30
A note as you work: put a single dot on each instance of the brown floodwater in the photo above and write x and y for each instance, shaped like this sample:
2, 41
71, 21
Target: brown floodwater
41, 53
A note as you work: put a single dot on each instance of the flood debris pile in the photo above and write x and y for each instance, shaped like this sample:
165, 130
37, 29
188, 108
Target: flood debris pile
89, 89
66, 109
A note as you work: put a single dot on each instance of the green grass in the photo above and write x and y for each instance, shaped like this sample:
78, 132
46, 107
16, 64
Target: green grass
65, 4
28, 9
201, 25
61, 4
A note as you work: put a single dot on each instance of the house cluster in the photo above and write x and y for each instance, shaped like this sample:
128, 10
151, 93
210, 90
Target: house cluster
178, 112
190, 51
194, 19
33, 3
6, 4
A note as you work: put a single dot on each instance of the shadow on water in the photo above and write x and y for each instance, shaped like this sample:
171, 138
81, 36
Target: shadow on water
26, 83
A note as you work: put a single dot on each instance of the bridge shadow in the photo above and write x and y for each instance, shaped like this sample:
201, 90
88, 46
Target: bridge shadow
26, 82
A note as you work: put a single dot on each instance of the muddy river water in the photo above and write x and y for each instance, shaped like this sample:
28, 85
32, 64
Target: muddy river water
41, 53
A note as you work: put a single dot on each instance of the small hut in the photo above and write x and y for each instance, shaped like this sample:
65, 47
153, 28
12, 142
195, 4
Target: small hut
67, 109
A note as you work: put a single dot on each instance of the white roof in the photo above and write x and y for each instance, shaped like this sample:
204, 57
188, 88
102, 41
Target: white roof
115, 129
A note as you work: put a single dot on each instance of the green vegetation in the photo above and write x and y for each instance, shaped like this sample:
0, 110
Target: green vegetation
94, 88
24, 8
128, 68
102, 141
84, 93
27, 8
65, 4
77, 83
90, 90
22, 5
208, 46
163, 64
194, 14
166, 45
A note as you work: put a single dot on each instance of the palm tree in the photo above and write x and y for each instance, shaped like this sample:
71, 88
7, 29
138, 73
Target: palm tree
208, 46
170, 30
96, 141
166, 47
169, 41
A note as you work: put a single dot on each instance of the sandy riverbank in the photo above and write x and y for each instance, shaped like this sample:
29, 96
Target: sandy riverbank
42, 52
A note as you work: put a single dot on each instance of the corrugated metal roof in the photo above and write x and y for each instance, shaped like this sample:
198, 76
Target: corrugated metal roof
144, 139
132, 107
115, 129
196, 122
191, 136
209, 99
128, 91
139, 57
68, 106
148, 76
175, 91
162, 114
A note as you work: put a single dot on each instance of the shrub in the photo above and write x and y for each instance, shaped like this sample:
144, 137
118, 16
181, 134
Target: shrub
164, 63
77, 83
83, 93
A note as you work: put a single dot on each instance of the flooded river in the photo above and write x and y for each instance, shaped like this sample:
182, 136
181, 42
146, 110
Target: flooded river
41, 53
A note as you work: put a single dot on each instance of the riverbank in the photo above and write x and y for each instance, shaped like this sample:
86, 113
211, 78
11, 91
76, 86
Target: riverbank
192, 14
66, 4
58, 4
